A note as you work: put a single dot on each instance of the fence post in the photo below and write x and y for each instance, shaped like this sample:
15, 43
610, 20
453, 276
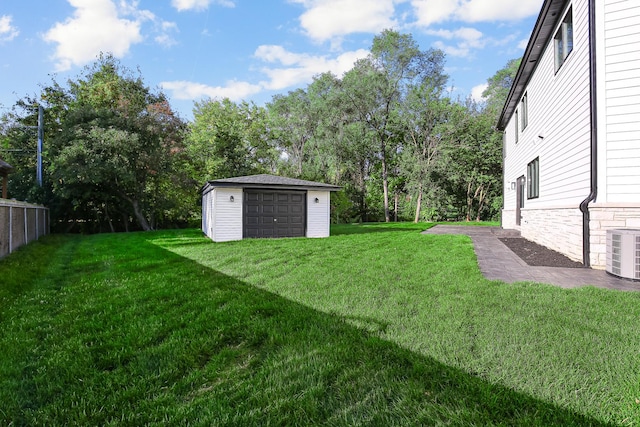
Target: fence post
10, 229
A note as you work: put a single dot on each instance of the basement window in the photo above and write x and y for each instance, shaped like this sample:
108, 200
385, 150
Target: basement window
563, 40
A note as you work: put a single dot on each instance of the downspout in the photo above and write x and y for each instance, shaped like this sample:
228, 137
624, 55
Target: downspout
584, 206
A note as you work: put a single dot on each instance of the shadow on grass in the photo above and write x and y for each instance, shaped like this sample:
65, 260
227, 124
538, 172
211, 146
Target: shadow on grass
378, 227
180, 343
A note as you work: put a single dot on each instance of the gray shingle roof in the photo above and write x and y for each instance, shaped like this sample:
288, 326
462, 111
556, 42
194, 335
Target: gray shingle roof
5, 167
271, 181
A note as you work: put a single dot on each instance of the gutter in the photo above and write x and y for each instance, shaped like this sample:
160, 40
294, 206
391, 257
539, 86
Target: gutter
584, 205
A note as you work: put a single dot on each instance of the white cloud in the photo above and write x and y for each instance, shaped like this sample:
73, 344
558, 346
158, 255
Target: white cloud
476, 92
330, 19
523, 44
104, 26
296, 69
7, 31
470, 36
95, 27
430, 12
165, 38
182, 5
234, 90
300, 68
467, 39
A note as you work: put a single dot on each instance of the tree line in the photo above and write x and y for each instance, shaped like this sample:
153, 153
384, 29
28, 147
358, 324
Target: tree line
118, 158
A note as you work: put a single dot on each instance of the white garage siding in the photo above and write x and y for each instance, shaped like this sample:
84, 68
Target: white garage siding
223, 207
221, 217
318, 213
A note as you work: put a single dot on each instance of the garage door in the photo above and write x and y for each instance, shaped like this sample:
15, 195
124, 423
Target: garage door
274, 213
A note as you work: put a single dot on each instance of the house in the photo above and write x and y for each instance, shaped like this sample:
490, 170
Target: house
571, 127
5, 169
265, 206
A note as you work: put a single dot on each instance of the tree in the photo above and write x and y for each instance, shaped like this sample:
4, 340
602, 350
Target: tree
228, 139
293, 122
423, 115
115, 148
499, 85
379, 83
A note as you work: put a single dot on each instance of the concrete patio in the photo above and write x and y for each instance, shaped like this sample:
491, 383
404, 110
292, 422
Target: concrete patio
498, 262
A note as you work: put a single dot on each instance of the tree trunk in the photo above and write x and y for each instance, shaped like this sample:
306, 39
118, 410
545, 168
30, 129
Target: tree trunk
395, 207
469, 201
142, 221
418, 204
481, 200
106, 212
385, 185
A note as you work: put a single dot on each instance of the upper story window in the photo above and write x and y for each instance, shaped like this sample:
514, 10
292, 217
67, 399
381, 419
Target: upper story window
563, 40
515, 122
524, 112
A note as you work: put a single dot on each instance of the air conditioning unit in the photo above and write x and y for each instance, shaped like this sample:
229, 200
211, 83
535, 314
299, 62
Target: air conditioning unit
623, 253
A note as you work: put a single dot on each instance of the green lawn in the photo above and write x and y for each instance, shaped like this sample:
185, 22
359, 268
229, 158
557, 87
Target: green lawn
376, 325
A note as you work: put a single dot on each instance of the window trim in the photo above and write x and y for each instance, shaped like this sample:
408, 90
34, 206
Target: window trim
563, 39
533, 179
516, 125
524, 114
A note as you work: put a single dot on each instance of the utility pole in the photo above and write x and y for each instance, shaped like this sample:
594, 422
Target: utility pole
40, 138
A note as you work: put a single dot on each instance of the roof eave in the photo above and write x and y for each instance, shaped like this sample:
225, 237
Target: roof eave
540, 36
215, 184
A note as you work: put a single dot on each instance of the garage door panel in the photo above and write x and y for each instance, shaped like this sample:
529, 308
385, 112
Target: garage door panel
274, 214
283, 209
268, 209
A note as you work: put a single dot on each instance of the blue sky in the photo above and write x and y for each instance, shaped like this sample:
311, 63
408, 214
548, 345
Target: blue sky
248, 49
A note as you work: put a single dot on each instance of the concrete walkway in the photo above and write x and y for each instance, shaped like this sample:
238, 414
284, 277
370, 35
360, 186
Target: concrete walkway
498, 262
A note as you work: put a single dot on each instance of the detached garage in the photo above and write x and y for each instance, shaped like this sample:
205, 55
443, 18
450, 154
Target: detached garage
265, 206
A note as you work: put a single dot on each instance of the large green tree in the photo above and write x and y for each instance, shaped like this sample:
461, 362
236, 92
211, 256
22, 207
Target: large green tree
227, 139
378, 84
114, 147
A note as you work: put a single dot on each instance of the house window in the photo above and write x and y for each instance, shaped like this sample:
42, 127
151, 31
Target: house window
524, 112
533, 179
563, 40
516, 126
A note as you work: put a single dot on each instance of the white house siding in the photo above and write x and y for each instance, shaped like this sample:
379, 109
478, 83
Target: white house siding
318, 214
618, 62
559, 111
227, 216
619, 120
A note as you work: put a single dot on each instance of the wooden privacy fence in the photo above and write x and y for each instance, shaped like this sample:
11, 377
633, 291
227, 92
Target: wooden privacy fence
21, 223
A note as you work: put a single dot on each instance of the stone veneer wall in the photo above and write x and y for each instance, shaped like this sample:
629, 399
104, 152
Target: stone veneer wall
559, 229
508, 220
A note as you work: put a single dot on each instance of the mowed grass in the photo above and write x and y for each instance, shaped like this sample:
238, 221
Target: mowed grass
376, 325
